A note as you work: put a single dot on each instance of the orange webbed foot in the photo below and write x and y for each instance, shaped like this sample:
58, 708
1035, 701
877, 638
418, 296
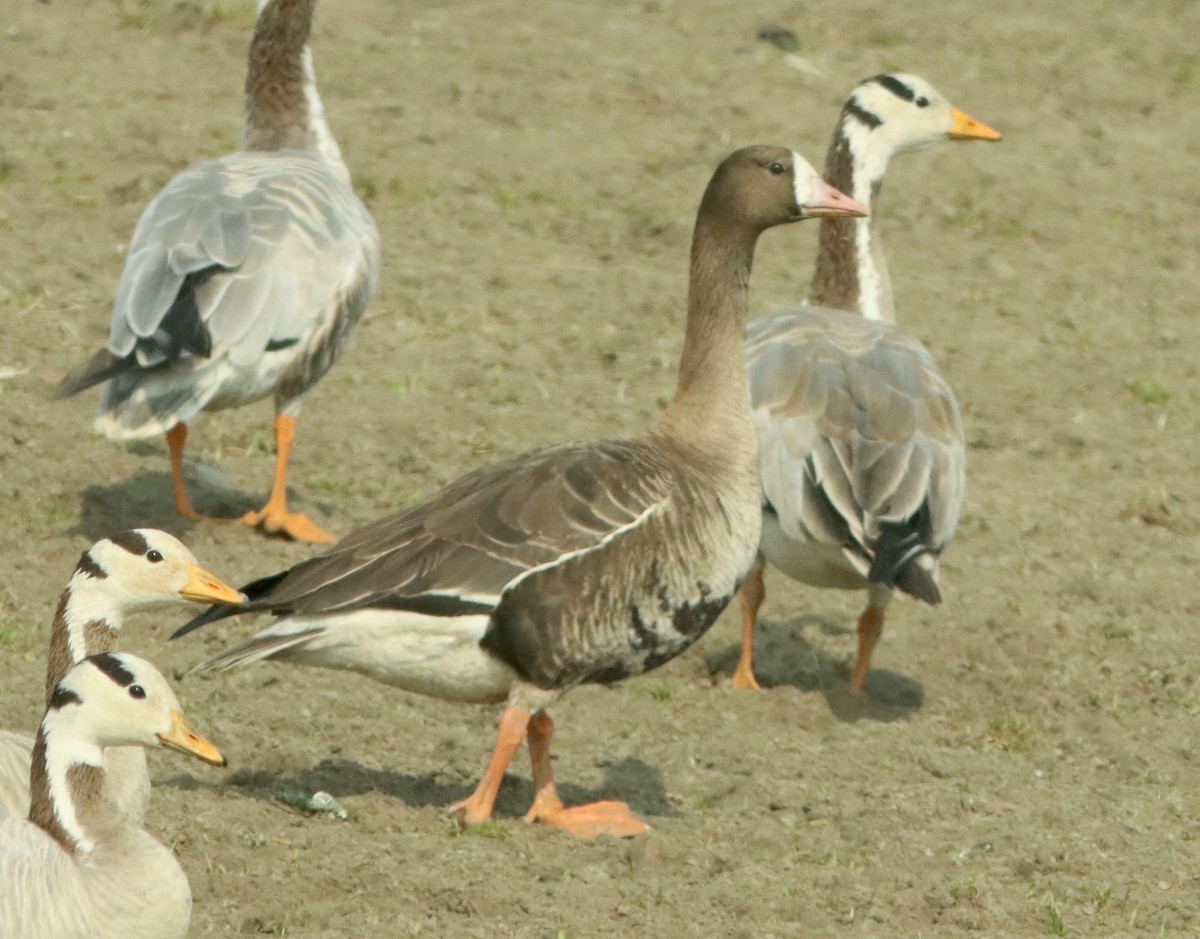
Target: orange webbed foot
469, 811
295, 525
589, 821
743, 677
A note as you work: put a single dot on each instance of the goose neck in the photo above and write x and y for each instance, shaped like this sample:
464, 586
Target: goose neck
284, 110
711, 392
87, 622
66, 784
851, 273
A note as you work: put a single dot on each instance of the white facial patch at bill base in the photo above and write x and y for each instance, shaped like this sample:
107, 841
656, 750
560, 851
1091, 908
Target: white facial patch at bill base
802, 176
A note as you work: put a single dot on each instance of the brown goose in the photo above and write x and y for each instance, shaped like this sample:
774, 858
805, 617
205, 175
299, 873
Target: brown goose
245, 277
78, 866
587, 562
859, 435
139, 571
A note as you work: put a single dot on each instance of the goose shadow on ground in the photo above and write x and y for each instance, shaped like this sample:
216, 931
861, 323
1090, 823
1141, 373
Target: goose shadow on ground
632, 781
147, 501
783, 656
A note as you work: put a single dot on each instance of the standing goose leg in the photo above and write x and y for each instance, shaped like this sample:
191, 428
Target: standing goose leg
274, 516
176, 438
582, 821
477, 807
870, 626
751, 597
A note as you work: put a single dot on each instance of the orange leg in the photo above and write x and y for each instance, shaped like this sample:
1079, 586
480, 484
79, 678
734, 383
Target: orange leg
176, 438
751, 596
274, 516
870, 625
478, 806
582, 821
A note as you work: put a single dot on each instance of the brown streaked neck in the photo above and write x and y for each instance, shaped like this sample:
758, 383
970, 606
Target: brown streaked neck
86, 622
851, 273
710, 399
67, 799
283, 109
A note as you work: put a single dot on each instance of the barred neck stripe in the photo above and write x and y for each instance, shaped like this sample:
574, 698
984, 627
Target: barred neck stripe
62, 697
132, 541
111, 666
895, 86
862, 115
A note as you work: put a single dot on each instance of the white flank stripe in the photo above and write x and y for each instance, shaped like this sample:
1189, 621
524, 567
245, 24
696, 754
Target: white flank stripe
563, 558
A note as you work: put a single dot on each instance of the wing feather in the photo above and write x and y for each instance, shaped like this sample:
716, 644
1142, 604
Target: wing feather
479, 535
857, 430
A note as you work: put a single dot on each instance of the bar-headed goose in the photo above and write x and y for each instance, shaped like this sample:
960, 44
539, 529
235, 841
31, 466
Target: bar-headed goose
859, 435
587, 562
245, 277
78, 866
143, 570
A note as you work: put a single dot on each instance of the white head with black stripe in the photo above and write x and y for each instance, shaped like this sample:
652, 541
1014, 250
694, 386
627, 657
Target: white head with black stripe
890, 114
146, 569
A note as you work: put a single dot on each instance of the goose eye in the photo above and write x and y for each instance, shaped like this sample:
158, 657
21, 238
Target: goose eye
137, 691
777, 168
154, 556
922, 102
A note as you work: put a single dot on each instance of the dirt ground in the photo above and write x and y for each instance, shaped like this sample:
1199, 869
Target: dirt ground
1021, 763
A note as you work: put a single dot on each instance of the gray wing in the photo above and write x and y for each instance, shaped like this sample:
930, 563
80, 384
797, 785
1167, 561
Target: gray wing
857, 431
238, 254
245, 276
460, 550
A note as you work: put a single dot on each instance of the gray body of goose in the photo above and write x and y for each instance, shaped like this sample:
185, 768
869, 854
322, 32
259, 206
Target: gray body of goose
138, 571
78, 867
859, 435
588, 562
245, 276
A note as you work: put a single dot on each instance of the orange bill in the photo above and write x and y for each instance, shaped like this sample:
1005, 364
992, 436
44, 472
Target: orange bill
965, 127
184, 738
203, 587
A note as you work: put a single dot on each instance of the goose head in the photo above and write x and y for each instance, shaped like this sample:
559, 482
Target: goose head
892, 114
769, 186
144, 569
116, 699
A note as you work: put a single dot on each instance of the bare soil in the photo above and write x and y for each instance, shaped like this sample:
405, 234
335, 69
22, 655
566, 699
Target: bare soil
1024, 762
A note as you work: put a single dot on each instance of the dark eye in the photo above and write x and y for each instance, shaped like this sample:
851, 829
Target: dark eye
777, 168
922, 102
154, 556
137, 691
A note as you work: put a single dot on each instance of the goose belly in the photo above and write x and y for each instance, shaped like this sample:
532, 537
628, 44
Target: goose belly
245, 384
431, 655
810, 562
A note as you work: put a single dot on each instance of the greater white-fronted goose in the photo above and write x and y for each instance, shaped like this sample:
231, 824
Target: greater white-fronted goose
78, 866
587, 562
245, 277
138, 571
859, 435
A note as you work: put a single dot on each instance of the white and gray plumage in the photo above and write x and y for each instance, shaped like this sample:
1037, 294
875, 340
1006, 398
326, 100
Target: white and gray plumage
860, 438
138, 571
245, 275
588, 562
78, 867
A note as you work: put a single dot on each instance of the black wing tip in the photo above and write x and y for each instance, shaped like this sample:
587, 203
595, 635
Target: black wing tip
99, 368
897, 554
254, 593
917, 583
211, 615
